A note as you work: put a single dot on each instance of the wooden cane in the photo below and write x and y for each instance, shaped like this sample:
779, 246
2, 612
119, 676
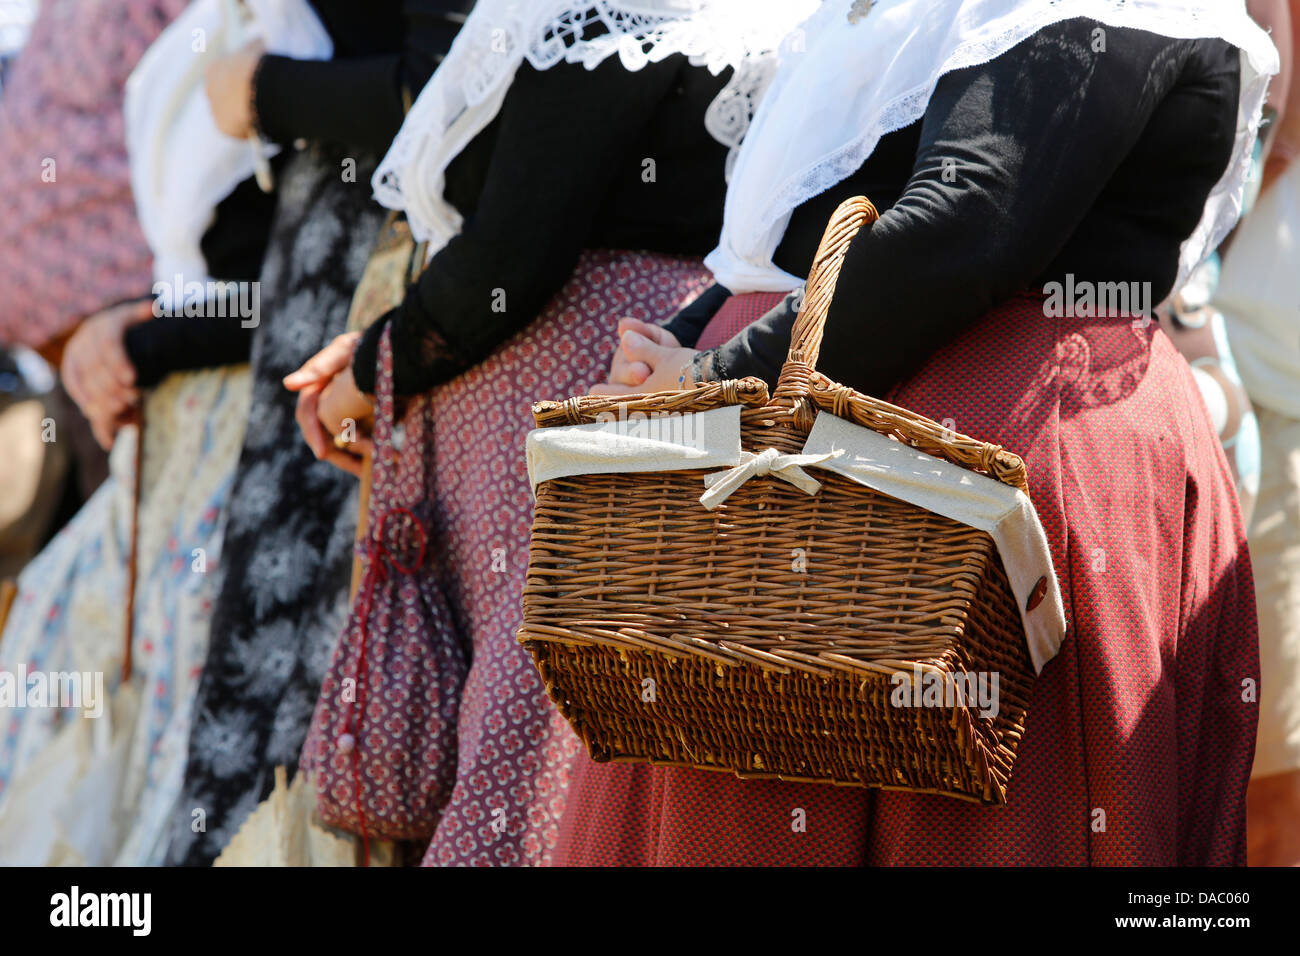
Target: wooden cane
8, 591
133, 555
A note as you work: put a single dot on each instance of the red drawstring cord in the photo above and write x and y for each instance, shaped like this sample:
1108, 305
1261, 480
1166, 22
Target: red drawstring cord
377, 561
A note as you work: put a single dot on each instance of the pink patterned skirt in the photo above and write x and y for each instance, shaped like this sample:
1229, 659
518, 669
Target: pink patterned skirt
512, 774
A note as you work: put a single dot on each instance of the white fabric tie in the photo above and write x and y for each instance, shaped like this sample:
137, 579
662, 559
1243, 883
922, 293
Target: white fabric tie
788, 468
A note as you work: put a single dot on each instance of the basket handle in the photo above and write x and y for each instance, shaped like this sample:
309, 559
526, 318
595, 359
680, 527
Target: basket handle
806, 338
799, 377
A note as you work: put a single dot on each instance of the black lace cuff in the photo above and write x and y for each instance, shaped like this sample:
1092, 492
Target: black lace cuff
422, 359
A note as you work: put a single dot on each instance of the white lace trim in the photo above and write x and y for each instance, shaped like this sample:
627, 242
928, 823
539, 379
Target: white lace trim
467, 90
771, 181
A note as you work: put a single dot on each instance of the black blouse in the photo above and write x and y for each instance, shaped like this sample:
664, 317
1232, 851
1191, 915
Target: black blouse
381, 49
575, 159
1060, 161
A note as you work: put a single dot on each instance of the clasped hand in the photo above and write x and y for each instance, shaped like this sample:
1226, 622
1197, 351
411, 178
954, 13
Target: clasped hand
97, 372
648, 359
331, 407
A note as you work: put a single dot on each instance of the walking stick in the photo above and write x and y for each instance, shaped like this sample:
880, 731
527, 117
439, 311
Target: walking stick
133, 555
8, 591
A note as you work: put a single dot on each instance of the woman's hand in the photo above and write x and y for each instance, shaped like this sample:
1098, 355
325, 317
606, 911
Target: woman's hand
343, 409
229, 85
649, 359
627, 371
97, 372
312, 382
325, 364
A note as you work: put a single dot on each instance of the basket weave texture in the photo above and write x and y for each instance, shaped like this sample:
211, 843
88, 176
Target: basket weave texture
763, 638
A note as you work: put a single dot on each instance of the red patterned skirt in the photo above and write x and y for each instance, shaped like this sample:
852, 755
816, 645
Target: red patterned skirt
515, 751
1140, 732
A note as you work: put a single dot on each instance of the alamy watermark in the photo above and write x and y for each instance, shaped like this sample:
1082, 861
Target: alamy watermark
133, 911
928, 687
1071, 299
81, 689
210, 299
670, 427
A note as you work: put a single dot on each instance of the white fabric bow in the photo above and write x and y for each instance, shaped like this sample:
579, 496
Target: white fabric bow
788, 468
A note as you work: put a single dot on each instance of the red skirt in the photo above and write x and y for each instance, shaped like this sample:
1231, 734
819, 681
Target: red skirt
1140, 733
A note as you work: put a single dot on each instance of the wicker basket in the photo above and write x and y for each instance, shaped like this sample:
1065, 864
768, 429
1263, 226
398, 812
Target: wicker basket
763, 638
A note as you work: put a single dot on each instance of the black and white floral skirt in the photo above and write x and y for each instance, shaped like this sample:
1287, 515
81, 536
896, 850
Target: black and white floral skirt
288, 550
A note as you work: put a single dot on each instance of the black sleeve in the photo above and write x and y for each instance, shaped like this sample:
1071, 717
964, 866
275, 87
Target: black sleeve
689, 323
354, 101
1029, 141
562, 137
234, 245
177, 343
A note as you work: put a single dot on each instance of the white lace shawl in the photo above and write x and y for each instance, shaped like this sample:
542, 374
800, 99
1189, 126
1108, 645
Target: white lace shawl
469, 86
853, 82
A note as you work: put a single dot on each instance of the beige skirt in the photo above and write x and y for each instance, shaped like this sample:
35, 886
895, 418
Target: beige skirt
1275, 557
